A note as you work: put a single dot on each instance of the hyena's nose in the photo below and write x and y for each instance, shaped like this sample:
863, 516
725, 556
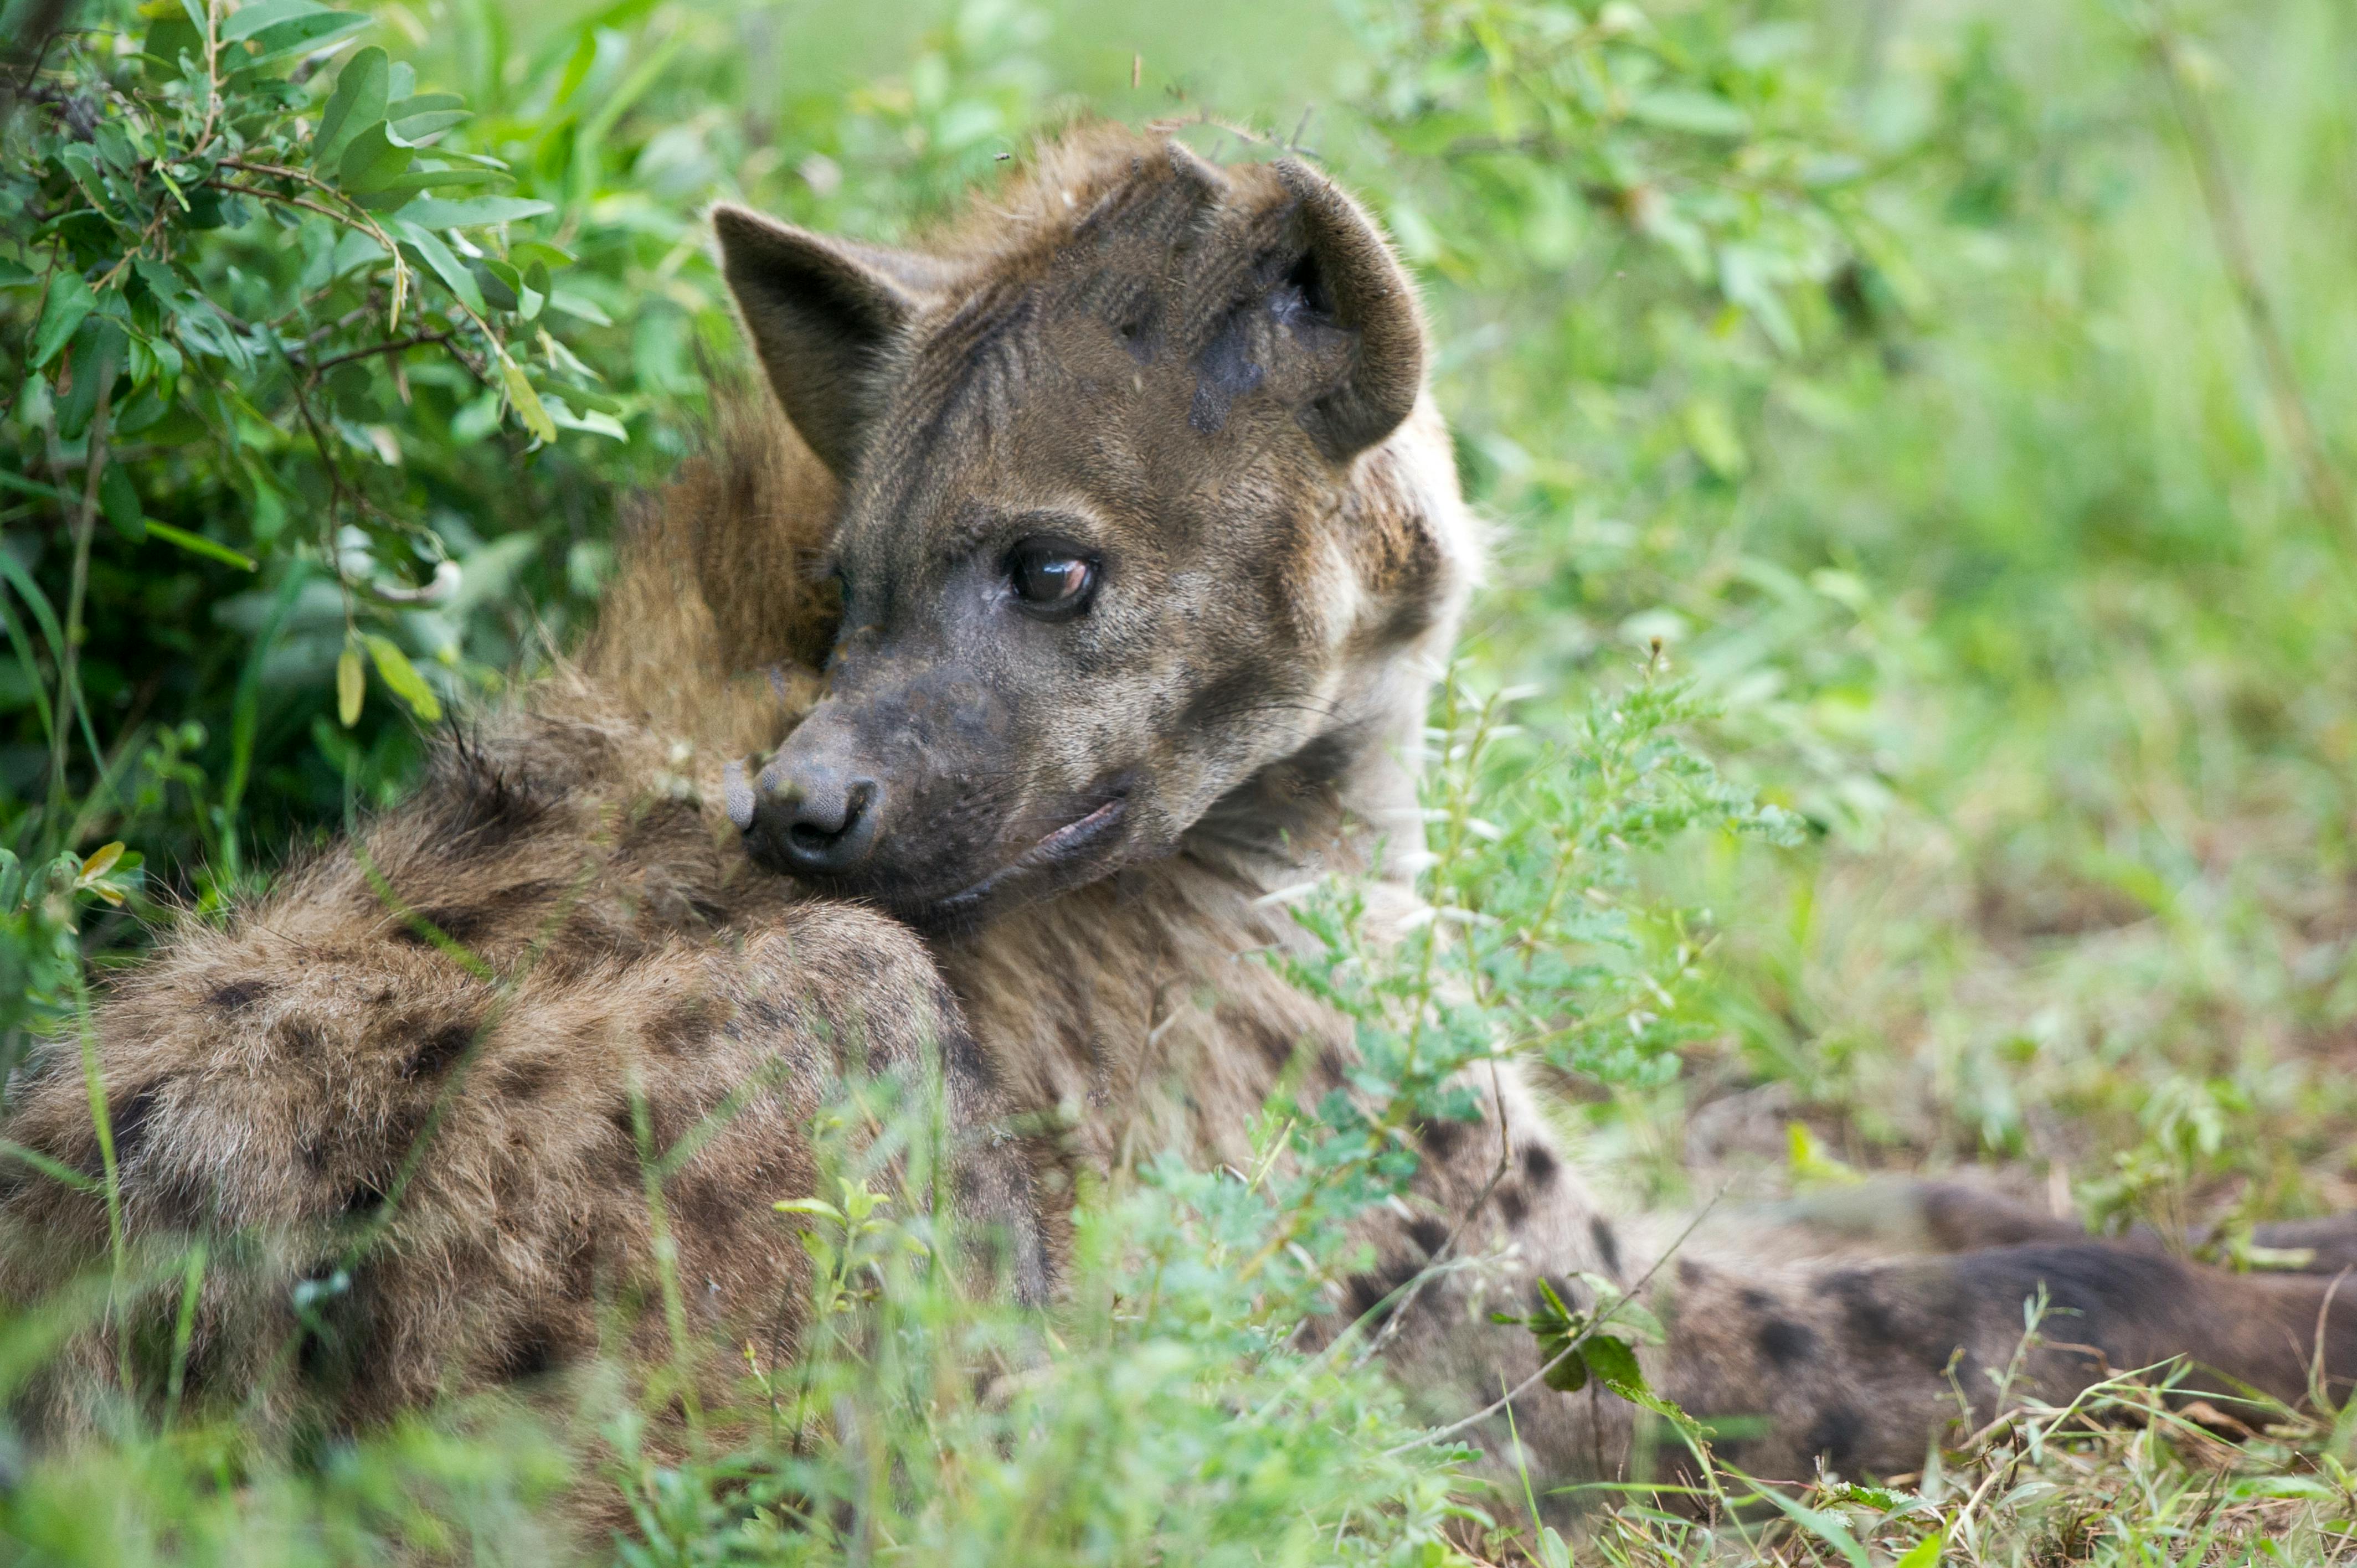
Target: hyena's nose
813, 821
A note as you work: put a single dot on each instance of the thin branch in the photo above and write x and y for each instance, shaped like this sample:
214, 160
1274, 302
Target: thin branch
69, 656
398, 345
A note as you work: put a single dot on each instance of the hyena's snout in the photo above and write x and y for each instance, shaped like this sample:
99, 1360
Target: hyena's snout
814, 811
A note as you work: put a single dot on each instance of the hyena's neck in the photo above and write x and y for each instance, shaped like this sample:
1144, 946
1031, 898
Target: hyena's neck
1404, 554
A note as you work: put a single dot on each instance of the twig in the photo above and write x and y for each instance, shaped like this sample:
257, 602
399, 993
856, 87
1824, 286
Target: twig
415, 341
85, 524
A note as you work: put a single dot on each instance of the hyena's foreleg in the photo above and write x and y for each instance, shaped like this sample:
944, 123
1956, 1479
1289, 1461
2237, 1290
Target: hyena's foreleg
410, 1178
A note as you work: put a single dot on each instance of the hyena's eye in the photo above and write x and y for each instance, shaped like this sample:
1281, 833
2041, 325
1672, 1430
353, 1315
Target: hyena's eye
1051, 577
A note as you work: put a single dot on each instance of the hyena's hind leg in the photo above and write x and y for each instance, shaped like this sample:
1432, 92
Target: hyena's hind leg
1857, 1363
1860, 1367
412, 1179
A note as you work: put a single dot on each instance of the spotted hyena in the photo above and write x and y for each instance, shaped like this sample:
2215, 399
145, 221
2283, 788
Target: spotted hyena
1128, 536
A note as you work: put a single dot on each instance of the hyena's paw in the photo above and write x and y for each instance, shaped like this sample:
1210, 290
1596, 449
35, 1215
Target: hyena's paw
858, 997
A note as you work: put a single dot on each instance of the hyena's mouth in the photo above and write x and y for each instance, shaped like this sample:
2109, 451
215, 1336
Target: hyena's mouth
1046, 867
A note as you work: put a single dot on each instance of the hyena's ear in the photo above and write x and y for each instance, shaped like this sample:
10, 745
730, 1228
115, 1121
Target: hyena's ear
1349, 282
820, 312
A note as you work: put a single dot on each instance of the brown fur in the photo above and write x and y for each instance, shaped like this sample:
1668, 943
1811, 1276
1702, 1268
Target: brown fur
1273, 505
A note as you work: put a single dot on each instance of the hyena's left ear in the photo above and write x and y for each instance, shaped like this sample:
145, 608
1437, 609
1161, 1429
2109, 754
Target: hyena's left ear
1350, 285
821, 313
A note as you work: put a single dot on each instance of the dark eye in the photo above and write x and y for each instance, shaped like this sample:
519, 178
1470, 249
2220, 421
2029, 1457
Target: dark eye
1052, 576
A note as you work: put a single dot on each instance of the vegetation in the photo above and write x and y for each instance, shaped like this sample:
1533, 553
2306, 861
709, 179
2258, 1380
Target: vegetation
1937, 416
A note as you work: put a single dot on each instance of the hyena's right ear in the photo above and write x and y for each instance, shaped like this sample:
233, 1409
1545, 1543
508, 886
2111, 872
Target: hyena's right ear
820, 312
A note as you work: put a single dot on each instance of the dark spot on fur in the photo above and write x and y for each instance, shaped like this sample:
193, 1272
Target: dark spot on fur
1427, 1234
1835, 1436
684, 1029
489, 805
1873, 1326
532, 1353
1442, 1139
526, 1080
362, 1202
175, 1196
1691, 1272
1224, 371
130, 1121
1783, 1341
707, 1207
1219, 703
769, 1014
1512, 1203
1368, 1292
435, 1054
1538, 1164
301, 1037
1331, 1068
236, 996
1608, 1245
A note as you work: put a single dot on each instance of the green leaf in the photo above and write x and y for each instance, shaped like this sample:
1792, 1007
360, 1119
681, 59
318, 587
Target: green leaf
358, 102
248, 20
1689, 109
9, 481
1924, 1553
474, 211
437, 257
594, 422
198, 544
501, 284
119, 499
579, 307
424, 104
396, 193
352, 686
1828, 1528
1615, 1361
70, 303
525, 400
298, 36
415, 128
14, 275
372, 160
402, 676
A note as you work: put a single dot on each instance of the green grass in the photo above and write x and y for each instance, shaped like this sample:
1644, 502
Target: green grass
1891, 373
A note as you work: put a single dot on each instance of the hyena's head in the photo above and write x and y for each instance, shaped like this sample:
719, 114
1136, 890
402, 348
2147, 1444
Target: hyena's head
1142, 500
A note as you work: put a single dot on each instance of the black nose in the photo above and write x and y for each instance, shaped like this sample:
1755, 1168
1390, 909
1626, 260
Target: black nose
815, 821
